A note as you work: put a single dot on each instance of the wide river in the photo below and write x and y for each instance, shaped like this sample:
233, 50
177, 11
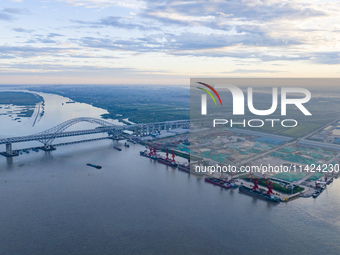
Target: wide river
52, 203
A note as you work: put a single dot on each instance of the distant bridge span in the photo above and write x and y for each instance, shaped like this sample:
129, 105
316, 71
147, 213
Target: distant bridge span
48, 136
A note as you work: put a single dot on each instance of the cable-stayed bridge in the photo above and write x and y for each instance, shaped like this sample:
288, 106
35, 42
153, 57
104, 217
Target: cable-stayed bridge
114, 131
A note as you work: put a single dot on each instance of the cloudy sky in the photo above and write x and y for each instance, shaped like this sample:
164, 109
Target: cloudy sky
166, 42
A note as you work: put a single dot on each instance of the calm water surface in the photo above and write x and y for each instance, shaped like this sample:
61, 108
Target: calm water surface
52, 203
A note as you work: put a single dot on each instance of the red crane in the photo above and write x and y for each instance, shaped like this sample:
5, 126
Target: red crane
151, 150
167, 154
173, 156
269, 185
154, 151
255, 181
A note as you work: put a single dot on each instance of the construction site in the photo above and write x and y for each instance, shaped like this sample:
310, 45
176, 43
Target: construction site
310, 168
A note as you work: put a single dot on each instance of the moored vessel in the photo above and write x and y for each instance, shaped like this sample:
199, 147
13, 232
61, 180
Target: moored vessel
151, 154
167, 161
219, 182
184, 168
259, 194
146, 154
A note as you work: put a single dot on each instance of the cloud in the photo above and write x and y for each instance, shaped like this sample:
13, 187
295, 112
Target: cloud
22, 30
48, 69
247, 54
29, 51
45, 40
23, 11
196, 12
5, 16
185, 43
38, 38
51, 35
8, 14
196, 32
101, 4
117, 22
10, 52
330, 58
219, 15
199, 28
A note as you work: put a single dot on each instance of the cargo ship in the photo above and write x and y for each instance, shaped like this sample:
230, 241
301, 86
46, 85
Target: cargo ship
258, 194
151, 154
184, 168
167, 161
219, 182
146, 154
316, 194
117, 148
95, 166
329, 181
318, 191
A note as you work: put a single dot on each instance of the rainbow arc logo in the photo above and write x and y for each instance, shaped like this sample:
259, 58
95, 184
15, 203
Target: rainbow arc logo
209, 93
204, 97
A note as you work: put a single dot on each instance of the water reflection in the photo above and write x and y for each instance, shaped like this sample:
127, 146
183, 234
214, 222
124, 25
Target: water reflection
9, 161
48, 155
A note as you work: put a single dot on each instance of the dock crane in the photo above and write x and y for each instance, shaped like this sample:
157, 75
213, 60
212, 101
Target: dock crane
255, 181
269, 185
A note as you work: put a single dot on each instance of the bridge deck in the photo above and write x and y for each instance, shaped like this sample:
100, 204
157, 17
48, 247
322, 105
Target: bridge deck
49, 135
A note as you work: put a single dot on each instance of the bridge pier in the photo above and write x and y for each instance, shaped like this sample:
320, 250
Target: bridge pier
9, 151
47, 148
9, 148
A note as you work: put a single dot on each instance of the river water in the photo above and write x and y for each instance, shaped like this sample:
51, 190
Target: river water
52, 203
